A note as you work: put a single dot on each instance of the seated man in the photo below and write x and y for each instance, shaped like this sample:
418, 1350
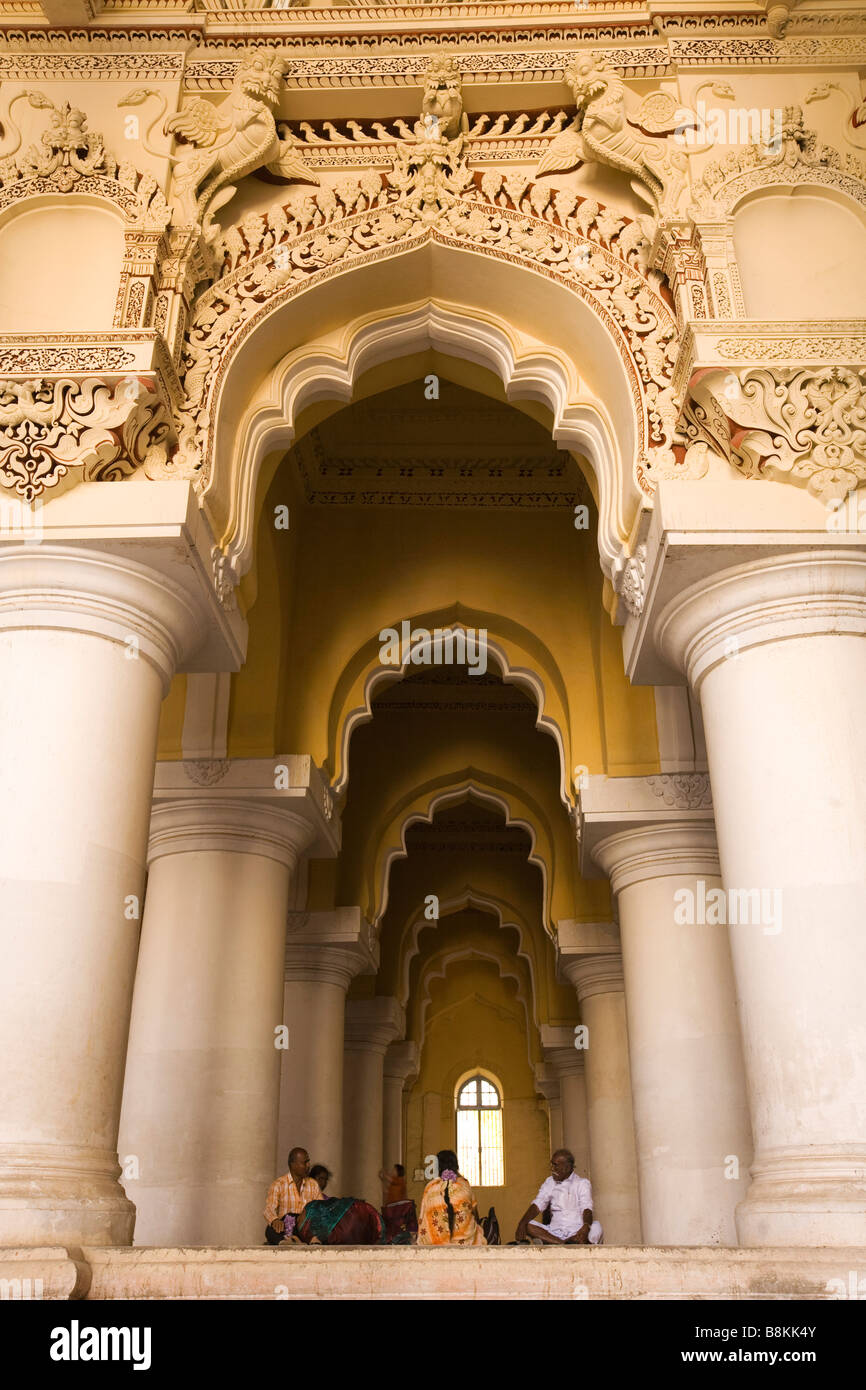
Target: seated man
570, 1200
288, 1195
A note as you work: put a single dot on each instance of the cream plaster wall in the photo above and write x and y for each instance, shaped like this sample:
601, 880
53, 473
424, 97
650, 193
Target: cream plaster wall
801, 256
59, 267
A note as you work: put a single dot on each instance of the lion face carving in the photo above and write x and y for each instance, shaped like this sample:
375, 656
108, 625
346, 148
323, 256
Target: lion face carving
442, 107
260, 77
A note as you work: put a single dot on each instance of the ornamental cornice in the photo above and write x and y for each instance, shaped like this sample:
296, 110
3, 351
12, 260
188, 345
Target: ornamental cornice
139, 353
407, 68
615, 807
31, 64
289, 781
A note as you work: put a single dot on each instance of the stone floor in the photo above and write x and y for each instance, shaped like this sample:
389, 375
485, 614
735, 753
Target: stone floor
530, 1272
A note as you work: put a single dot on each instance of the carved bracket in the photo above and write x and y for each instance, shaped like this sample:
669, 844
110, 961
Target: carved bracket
108, 429
806, 426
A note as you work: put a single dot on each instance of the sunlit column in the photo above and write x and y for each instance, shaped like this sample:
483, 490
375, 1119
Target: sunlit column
324, 952
89, 641
371, 1025
775, 648
208, 1031
401, 1064
598, 980
688, 1083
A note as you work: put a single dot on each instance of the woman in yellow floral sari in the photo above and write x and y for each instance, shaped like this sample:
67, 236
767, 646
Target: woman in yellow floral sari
449, 1215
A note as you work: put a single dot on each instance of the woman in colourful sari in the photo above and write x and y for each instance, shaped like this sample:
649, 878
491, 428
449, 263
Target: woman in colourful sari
449, 1215
339, 1221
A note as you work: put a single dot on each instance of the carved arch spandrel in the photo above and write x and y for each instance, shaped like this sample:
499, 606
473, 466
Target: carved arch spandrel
599, 276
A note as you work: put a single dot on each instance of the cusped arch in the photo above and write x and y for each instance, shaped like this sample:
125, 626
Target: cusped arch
436, 968
505, 912
330, 368
421, 806
522, 661
573, 282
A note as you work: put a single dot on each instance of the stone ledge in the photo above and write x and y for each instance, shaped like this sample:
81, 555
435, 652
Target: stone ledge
394, 1272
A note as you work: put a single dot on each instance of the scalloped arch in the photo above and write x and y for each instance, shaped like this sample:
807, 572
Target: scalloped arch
421, 807
483, 902
329, 369
364, 675
588, 331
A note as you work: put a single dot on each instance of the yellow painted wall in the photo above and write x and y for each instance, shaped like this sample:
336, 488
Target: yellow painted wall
475, 1020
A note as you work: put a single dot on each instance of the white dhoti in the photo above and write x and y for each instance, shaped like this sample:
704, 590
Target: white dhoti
564, 1230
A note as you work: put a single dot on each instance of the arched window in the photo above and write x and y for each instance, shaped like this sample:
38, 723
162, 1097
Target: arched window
479, 1132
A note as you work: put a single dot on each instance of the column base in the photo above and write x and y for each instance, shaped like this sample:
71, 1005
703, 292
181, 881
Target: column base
812, 1197
62, 1195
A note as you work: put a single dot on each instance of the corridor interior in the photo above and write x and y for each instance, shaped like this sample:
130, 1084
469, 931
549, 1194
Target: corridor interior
430, 500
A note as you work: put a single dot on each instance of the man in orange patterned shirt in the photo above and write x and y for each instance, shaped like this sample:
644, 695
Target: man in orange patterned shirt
288, 1195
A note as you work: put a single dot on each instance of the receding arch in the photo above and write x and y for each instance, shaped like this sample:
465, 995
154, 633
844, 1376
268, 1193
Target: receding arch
436, 968
506, 913
518, 658
421, 807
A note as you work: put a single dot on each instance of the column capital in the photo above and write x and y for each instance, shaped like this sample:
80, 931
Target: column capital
402, 1061
565, 1061
725, 567
547, 1082
771, 599
372, 1024
658, 851
597, 974
73, 589
330, 947
122, 561
279, 806
634, 828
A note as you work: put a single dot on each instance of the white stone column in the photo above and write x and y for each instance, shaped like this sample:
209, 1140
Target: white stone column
598, 979
324, 952
775, 648
691, 1116
200, 1101
401, 1064
547, 1085
371, 1025
569, 1066
89, 641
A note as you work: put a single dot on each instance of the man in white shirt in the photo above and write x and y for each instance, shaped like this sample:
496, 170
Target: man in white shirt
569, 1197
